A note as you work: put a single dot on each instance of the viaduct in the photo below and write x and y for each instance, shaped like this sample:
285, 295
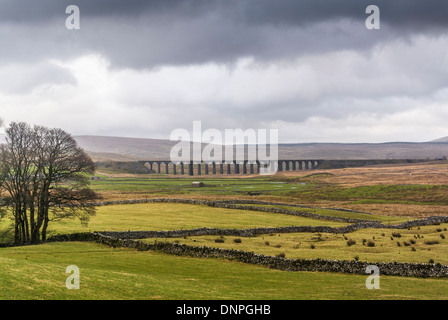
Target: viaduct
237, 167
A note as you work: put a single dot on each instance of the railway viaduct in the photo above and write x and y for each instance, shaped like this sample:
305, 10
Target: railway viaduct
237, 167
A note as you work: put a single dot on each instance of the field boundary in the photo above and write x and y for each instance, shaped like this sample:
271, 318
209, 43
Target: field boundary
260, 231
419, 270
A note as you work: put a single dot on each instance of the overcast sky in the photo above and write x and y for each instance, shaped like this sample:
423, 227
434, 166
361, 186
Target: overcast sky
310, 68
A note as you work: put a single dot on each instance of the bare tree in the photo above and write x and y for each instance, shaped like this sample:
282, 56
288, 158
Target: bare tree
47, 177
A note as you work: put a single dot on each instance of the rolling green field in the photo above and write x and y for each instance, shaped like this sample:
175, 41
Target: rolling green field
387, 247
341, 214
303, 190
213, 186
38, 272
171, 216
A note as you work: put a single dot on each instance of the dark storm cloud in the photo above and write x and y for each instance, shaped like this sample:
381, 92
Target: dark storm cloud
260, 12
145, 34
310, 65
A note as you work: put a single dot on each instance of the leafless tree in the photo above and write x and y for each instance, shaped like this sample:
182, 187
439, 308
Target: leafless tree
46, 175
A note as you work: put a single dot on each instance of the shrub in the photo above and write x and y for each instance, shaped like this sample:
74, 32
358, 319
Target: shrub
237, 240
356, 258
396, 235
406, 244
281, 255
219, 240
351, 242
370, 244
266, 243
442, 236
278, 246
431, 242
312, 246
398, 243
439, 230
412, 241
413, 249
431, 261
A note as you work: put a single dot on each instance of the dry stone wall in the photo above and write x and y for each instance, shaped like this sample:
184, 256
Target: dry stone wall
421, 270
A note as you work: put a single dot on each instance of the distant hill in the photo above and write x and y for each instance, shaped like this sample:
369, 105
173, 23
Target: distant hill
104, 148
132, 149
125, 149
444, 139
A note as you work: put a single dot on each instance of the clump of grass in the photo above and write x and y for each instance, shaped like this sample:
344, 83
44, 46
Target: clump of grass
266, 243
370, 244
439, 230
278, 246
431, 261
219, 240
431, 242
413, 249
356, 258
281, 255
396, 235
398, 243
406, 244
237, 240
312, 246
364, 242
351, 242
442, 236
412, 241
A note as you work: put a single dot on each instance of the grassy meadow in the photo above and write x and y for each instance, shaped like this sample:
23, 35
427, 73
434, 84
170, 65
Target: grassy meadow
378, 193
171, 216
38, 272
417, 245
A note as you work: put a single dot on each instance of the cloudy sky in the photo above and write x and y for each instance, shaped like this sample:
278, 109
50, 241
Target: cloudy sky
310, 68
